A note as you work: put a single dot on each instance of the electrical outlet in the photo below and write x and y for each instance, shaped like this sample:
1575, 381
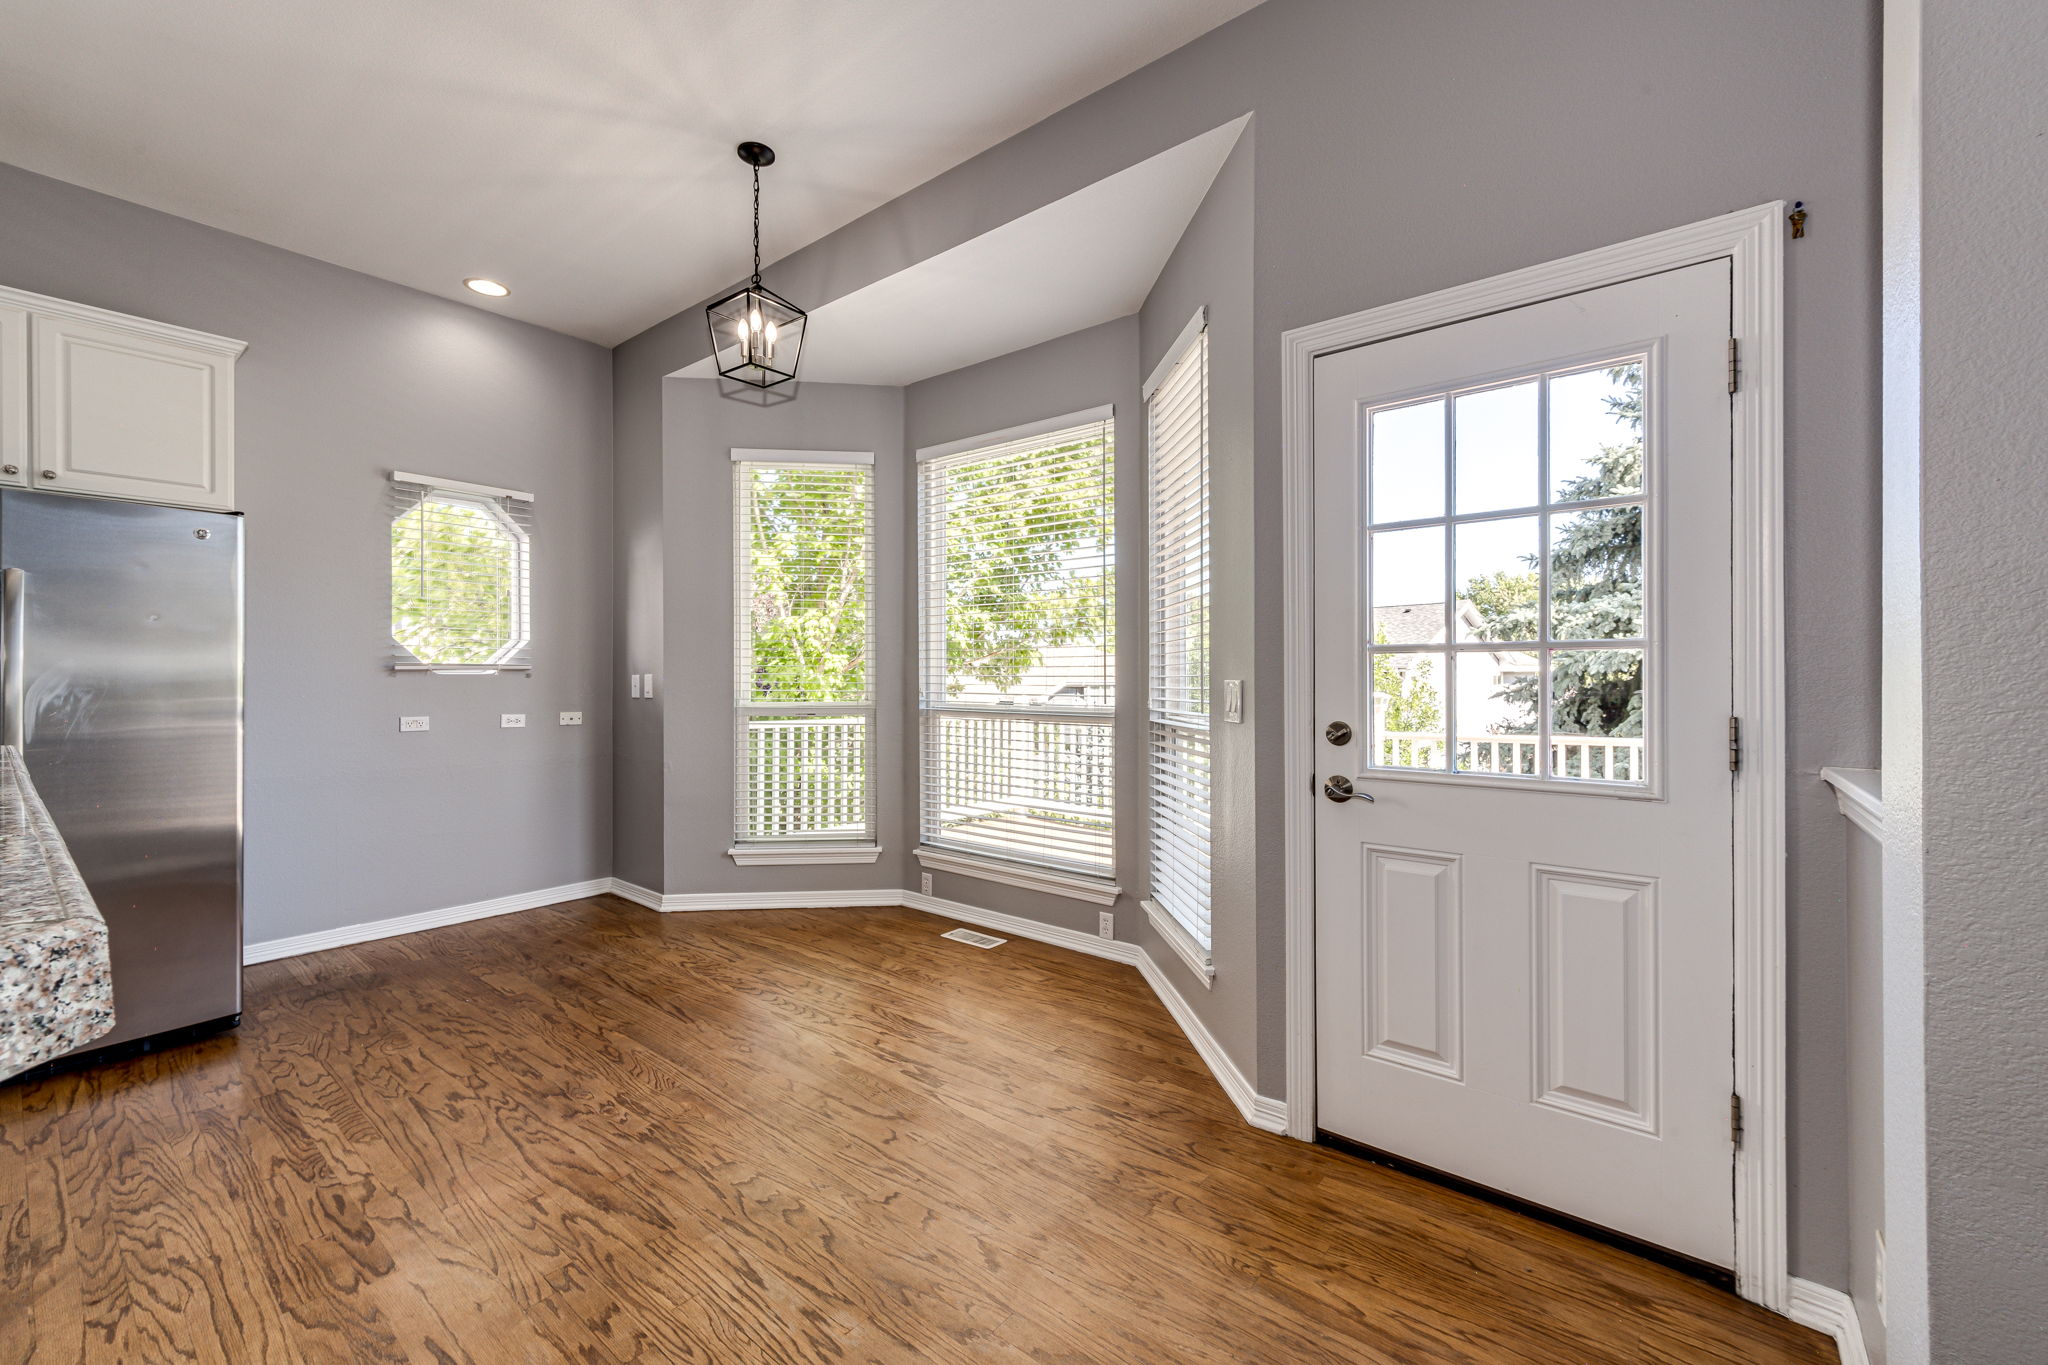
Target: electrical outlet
1105, 924
408, 724
511, 722
1877, 1278
572, 718
926, 883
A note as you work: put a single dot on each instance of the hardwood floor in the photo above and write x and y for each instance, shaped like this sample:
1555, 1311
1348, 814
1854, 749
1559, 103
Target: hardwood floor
595, 1133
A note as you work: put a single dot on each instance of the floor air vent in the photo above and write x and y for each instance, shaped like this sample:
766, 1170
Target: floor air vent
978, 940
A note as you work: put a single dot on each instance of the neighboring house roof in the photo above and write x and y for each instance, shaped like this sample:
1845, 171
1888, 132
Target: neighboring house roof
1419, 623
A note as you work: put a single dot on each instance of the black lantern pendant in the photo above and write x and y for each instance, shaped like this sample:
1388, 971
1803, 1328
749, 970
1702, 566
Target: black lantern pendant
756, 334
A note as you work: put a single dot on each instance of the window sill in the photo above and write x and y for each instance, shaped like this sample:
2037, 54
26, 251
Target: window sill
1182, 942
802, 855
1096, 890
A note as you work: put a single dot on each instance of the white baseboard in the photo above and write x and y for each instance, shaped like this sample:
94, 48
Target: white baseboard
1018, 927
1260, 1111
272, 949
1830, 1311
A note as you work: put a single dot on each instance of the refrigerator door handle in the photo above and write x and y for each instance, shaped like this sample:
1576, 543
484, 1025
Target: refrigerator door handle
13, 614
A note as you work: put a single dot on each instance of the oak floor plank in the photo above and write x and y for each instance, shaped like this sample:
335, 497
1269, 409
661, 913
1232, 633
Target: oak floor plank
593, 1133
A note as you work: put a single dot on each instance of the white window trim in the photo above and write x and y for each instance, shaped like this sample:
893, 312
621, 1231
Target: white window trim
799, 851
741, 455
1024, 432
1196, 325
794, 855
1095, 890
1176, 937
482, 490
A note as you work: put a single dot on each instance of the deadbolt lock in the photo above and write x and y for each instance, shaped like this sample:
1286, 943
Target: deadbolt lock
1337, 732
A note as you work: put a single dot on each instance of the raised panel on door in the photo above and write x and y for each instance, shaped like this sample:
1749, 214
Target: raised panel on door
1413, 972
121, 414
1596, 1001
14, 350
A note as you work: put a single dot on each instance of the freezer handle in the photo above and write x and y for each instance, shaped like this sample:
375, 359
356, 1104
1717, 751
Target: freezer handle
13, 613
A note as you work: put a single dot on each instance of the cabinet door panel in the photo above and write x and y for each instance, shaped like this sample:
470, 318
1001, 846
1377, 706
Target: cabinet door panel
124, 415
13, 394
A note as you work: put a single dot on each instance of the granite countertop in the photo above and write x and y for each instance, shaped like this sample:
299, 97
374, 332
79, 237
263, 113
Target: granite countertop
56, 989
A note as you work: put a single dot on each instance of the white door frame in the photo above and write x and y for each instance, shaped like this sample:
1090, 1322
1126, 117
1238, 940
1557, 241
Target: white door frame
1753, 240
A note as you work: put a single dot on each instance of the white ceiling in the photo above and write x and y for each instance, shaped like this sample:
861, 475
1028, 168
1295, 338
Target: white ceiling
578, 150
1082, 260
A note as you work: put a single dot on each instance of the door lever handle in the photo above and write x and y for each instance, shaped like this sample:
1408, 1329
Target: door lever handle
1340, 789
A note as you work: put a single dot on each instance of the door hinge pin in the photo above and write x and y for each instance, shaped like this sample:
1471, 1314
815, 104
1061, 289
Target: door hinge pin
1734, 744
1735, 1119
1734, 368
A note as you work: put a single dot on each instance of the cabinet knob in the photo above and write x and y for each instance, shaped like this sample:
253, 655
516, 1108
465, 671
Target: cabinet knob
49, 473
10, 469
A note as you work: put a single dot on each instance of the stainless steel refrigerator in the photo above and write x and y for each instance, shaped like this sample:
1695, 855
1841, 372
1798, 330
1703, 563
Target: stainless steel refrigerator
122, 685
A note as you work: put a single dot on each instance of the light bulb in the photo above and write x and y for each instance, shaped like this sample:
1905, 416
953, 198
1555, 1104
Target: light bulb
769, 354
754, 319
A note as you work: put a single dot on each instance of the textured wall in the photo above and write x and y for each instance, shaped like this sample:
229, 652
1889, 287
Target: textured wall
1983, 505
345, 378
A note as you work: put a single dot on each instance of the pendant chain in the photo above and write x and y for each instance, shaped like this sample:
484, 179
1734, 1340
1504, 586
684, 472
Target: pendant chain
757, 227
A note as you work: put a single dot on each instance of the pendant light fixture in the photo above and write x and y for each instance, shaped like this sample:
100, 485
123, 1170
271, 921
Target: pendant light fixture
756, 334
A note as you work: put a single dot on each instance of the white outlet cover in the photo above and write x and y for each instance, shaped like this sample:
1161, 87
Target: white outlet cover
927, 883
411, 724
1105, 924
511, 722
572, 718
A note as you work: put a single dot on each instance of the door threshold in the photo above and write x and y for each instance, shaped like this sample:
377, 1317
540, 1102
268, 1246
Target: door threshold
1704, 1271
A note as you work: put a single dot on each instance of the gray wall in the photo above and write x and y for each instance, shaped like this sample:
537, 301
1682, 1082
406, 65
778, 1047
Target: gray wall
1212, 267
700, 430
1407, 148
1983, 490
345, 378
1069, 374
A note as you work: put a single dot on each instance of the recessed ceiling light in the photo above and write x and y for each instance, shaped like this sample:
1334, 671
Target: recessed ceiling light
488, 288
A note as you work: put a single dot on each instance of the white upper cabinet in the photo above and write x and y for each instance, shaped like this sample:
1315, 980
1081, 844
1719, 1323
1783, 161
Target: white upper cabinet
118, 407
13, 394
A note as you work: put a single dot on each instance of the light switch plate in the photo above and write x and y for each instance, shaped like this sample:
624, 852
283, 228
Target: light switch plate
1233, 700
409, 724
646, 684
636, 685
572, 718
511, 722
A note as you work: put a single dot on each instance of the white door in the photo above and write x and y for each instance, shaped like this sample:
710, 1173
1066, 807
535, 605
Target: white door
1524, 939
124, 415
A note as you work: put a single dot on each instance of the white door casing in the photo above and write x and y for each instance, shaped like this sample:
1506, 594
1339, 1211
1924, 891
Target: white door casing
1525, 967
1752, 241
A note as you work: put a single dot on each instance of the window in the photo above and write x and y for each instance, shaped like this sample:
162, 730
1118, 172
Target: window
803, 691
1177, 424
1017, 645
1509, 627
461, 576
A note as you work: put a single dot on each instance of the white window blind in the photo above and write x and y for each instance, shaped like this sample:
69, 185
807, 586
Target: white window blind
1017, 648
461, 575
803, 570
1177, 423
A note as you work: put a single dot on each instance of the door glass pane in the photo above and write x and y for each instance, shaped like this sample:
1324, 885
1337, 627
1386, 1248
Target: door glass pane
1596, 432
1497, 694
1408, 710
1596, 574
1597, 719
1408, 571
1496, 451
1496, 576
1407, 461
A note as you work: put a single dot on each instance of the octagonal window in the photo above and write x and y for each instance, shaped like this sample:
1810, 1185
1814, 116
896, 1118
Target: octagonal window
460, 576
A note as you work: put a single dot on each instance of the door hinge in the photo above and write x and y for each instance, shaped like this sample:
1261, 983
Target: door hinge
1734, 744
1735, 1120
1734, 367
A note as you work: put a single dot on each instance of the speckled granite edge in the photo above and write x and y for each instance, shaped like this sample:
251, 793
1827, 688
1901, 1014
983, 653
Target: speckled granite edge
56, 988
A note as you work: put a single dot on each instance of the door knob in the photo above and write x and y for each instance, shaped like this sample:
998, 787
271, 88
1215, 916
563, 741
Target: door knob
1339, 789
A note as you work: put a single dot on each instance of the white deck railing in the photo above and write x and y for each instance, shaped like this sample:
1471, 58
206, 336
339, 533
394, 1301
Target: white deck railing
806, 777
1600, 758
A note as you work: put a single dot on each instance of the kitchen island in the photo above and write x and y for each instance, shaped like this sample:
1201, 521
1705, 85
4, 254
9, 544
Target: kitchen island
56, 988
